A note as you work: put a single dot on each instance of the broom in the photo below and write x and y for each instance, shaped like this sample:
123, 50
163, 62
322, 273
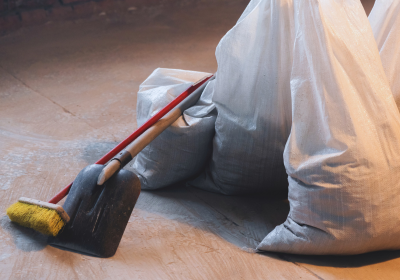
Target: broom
48, 217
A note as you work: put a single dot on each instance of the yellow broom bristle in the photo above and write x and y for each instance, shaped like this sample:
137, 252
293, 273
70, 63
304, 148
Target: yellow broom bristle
44, 220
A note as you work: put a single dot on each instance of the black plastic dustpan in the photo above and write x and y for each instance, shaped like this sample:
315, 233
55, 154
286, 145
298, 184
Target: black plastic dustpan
101, 198
99, 214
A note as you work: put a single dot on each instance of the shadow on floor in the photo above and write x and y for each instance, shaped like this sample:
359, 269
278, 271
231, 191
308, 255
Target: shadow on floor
93, 151
241, 220
344, 261
25, 239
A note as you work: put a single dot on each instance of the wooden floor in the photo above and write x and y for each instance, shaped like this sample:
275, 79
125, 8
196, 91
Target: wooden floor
68, 94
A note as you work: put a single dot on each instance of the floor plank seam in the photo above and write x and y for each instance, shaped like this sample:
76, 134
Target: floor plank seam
27, 86
226, 218
279, 255
52, 101
283, 257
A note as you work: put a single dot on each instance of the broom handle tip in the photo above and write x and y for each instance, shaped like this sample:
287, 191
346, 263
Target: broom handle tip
138, 132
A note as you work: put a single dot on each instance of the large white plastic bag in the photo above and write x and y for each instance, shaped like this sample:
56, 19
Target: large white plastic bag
183, 149
252, 97
343, 153
385, 23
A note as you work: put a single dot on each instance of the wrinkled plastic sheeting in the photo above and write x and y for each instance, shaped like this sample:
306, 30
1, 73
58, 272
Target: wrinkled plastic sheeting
385, 23
305, 87
343, 153
184, 148
252, 97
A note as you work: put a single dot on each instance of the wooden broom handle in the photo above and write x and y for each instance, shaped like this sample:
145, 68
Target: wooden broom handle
111, 154
147, 137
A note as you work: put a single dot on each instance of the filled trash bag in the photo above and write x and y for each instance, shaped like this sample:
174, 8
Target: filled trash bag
343, 153
184, 148
252, 97
385, 22
302, 97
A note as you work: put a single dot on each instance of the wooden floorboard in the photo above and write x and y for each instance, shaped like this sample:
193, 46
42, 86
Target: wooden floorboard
68, 95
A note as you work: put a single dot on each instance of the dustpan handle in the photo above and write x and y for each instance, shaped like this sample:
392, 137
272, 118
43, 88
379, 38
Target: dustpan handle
138, 132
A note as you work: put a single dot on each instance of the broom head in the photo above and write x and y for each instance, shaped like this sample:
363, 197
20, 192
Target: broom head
47, 218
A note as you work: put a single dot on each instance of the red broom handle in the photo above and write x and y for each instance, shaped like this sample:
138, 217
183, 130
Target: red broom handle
137, 133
